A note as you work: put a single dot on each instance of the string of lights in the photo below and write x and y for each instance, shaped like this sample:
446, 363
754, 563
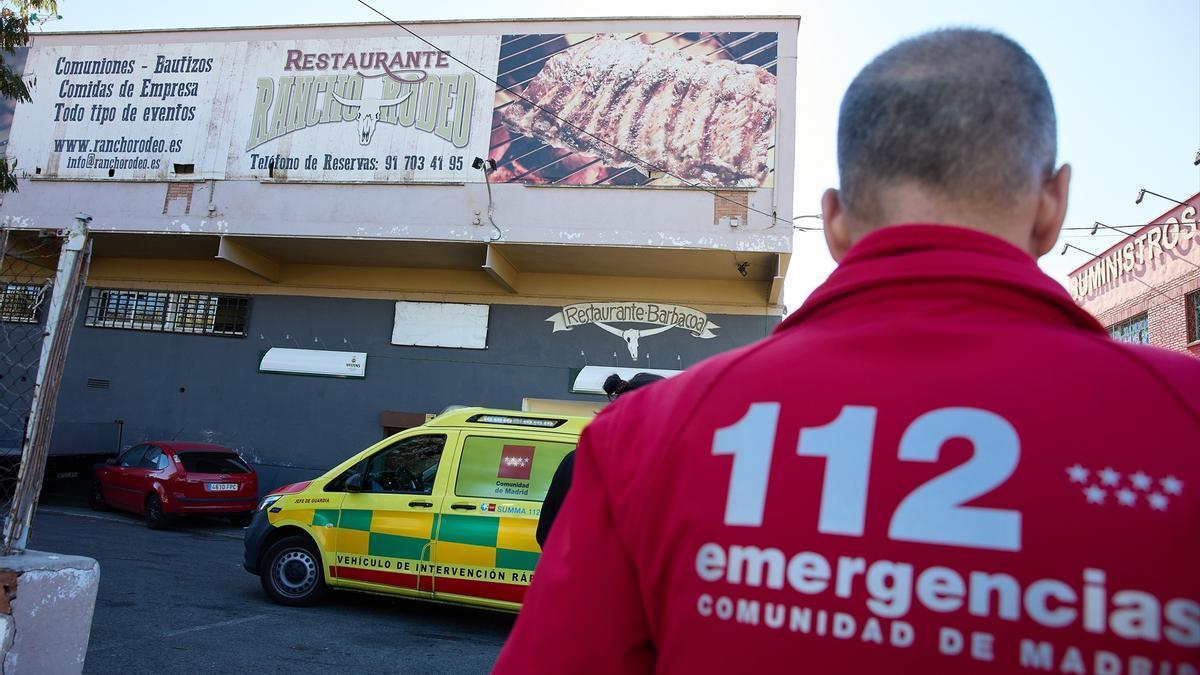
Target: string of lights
645, 163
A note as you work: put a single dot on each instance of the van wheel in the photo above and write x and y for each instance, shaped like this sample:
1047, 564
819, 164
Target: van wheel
155, 518
96, 497
292, 573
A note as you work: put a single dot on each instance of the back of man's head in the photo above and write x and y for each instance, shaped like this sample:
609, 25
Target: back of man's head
962, 116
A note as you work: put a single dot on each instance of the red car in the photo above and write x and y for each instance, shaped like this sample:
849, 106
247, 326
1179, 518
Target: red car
165, 479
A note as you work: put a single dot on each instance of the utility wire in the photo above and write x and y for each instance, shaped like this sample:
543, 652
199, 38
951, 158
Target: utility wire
1148, 306
1098, 225
621, 150
1134, 277
580, 129
1064, 229
1117, 227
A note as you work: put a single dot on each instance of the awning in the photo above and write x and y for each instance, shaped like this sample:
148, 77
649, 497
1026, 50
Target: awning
590, 379
313, 362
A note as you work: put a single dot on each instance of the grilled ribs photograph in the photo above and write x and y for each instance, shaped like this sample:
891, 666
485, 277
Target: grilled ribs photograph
701, 119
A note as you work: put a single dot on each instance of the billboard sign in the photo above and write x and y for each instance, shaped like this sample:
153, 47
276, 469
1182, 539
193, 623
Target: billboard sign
576, 109
637, 109
124, 112
378, 110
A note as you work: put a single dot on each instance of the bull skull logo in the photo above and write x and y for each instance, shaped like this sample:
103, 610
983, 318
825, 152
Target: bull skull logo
633, 336
368, 112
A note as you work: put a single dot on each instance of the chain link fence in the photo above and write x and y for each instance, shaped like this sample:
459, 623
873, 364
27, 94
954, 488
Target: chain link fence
42, 276
29, 261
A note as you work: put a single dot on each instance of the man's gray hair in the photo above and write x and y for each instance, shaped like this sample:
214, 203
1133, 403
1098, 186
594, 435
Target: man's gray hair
966, 114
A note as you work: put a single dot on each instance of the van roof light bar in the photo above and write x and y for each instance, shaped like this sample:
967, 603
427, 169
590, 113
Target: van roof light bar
511, 420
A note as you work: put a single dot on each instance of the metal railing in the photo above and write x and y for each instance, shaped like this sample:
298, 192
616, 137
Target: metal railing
167, 311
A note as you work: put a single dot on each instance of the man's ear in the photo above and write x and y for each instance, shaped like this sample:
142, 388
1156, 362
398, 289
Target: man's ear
837, 230
1051, 211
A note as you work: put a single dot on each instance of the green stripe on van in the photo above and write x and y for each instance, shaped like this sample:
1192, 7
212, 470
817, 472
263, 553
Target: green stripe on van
516, 560
395, 546
323, 517
477, 530
356, 519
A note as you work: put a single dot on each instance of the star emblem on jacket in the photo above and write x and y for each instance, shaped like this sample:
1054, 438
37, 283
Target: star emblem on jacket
1128, 490
1077, 473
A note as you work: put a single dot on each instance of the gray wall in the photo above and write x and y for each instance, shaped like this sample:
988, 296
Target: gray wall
20, 353
194, 387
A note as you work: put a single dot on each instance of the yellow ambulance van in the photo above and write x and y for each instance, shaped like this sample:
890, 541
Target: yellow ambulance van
445, 511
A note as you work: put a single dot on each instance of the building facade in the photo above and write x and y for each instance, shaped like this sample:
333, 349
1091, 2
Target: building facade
1146, 287
304, 238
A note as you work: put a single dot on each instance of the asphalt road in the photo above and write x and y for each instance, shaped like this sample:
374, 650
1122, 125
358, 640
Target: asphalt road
179, 601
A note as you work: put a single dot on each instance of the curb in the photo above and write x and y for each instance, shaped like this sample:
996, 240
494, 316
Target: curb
58, 511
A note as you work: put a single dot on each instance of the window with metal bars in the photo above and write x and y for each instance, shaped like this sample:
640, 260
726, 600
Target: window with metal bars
168, 312
1135, 329
22, 303
1191, 302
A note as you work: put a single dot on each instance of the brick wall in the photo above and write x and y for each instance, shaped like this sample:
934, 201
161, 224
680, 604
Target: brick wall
1167, 319
730, 203
179, 198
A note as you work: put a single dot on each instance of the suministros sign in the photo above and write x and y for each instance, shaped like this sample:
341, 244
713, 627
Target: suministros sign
664, 317
1175, 237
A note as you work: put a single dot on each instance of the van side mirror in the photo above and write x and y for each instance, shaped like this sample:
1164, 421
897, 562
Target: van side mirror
354, 483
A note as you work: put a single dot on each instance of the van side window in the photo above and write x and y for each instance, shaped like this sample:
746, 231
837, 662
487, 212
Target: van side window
408, 466
508, 468
339, 484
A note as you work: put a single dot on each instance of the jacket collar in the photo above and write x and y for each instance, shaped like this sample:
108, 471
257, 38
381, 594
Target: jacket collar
924, 253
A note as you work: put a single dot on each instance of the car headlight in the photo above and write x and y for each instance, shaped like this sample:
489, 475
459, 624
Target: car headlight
267, 501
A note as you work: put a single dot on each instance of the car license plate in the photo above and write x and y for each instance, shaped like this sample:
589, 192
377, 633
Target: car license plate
222, 487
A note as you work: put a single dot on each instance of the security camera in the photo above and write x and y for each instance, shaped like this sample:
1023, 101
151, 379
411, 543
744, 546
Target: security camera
488, 165
84, 217
1141, 193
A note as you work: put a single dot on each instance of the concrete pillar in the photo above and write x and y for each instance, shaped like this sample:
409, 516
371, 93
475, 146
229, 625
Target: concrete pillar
46, 603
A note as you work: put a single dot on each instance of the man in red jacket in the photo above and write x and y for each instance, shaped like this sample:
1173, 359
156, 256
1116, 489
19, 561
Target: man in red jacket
938, 464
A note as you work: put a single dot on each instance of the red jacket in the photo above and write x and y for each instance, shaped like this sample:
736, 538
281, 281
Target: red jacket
938, 464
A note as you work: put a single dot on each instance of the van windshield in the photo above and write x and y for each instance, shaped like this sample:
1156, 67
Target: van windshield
212, 462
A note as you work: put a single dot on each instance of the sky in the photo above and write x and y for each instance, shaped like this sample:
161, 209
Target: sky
1125, 78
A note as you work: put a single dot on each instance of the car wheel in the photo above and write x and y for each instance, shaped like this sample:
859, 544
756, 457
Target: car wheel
292, 573
96, 497
241, 519
155, 518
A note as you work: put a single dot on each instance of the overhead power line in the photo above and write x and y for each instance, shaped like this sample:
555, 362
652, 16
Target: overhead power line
1134, 277
647, 164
